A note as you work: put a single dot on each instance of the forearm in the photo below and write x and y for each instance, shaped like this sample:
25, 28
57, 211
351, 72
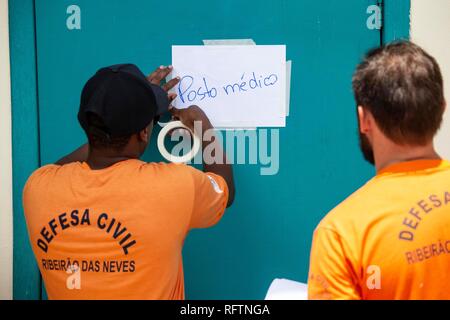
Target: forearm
79, 154
220, 166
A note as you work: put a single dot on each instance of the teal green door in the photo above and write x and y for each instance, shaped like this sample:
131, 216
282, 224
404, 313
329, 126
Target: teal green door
267, 233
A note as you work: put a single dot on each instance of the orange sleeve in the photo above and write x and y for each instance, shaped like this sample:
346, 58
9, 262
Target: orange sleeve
210, 199
35, 178
331, 274
34, 195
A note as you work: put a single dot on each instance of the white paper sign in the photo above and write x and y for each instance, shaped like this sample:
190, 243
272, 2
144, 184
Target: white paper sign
237, 86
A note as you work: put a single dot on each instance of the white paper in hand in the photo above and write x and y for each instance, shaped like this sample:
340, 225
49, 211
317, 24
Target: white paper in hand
237, 86
284, 289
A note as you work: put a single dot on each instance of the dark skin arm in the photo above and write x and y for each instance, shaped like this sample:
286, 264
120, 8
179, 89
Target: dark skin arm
193, 114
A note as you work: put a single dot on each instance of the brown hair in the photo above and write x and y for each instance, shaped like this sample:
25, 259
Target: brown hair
402, 87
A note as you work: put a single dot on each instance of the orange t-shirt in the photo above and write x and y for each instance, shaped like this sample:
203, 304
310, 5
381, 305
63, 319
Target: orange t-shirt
117, 233
389, 240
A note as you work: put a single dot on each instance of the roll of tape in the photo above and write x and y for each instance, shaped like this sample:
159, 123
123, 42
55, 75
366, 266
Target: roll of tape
166, 154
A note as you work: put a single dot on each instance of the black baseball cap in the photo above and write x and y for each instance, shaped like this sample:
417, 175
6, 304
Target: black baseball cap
123, 98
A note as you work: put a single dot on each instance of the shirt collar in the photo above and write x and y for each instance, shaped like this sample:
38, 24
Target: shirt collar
415, 165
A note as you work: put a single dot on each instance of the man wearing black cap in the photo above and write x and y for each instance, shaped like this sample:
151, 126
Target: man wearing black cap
102, 223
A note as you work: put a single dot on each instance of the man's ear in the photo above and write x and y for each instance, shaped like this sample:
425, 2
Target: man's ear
145, 134
365, 121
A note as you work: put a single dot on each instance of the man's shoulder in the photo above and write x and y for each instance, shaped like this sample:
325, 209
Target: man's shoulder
360, 206
49, 172
42, 172
37, 183
167, 168
179, 174
385, 192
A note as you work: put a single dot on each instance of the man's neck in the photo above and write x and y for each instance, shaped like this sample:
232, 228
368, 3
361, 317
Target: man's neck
101, 160
391, 153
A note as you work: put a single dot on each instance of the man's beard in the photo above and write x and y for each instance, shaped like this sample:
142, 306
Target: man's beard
366, 148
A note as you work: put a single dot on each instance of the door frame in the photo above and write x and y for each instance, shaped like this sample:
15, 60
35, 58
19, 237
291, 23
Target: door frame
6, 207
25, 140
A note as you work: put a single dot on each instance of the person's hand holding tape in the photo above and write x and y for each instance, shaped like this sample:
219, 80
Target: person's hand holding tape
186, 119
190, 115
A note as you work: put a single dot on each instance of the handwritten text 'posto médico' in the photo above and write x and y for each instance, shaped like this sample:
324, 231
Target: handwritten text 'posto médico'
189, 90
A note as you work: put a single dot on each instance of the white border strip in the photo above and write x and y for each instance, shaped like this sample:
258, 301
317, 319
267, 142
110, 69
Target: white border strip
6, 207
430, 24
